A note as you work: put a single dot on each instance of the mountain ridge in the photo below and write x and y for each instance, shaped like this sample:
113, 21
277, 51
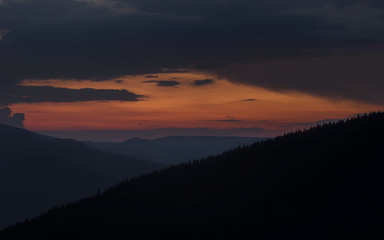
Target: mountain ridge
174, 149
320, 183
59, 170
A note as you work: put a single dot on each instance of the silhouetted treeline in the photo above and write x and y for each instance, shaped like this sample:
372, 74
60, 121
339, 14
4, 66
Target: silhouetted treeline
321, 183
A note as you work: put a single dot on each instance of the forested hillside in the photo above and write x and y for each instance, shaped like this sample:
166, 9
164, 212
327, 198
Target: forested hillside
321, 183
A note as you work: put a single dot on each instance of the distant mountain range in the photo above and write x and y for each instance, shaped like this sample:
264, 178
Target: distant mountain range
38, 172
176, 149
322, 183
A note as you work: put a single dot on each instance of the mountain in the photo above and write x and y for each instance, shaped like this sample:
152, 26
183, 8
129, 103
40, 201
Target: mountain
321, 183
38, 172
176, 149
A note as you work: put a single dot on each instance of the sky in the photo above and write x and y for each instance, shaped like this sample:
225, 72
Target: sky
108, 70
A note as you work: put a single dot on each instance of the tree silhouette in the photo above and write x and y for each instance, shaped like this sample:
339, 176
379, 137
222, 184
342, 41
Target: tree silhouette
320, 183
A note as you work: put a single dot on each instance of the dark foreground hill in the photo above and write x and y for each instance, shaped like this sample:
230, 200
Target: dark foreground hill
39, 172
322, 183
176, 149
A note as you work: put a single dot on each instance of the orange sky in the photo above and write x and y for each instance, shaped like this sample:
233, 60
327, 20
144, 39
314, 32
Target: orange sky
184, 106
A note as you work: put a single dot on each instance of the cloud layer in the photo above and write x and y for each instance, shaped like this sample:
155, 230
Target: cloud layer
32, 94
329, 48
164, 83
203, 82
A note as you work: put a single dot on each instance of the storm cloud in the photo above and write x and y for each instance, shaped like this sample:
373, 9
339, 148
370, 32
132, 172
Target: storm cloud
330, 48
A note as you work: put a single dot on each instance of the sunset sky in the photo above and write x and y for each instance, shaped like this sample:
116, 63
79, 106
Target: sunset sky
109, 70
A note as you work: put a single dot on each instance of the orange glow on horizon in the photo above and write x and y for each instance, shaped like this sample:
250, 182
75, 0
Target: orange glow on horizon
183, 106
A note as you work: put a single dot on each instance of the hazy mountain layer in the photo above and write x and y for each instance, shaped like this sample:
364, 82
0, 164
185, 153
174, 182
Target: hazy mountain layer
38, 172
322, 183
175, 150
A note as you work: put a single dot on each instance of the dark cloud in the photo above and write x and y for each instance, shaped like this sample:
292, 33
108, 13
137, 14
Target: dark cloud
6, 117
164, 83
209, 66
249, 100
330, 48
203, 82
32, 94
151, 76
235, 8
344, 76
228, 119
